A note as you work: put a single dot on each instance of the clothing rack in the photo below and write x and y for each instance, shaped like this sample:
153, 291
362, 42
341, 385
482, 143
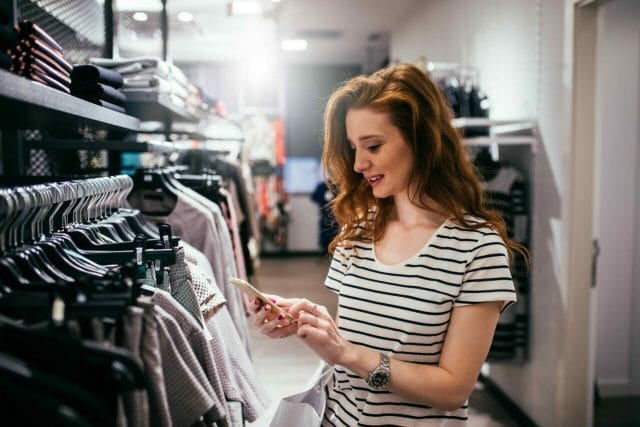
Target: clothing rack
74, 256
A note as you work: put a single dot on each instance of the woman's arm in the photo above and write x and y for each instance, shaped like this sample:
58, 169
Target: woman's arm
445, 386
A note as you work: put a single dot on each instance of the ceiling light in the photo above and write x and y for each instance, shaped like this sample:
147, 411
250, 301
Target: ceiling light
185, 17
138, 5
294, 44
140, 16
276, 1
245, 7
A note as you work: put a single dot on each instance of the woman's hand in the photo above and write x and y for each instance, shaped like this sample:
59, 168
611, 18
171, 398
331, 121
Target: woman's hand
319, 331
272, 324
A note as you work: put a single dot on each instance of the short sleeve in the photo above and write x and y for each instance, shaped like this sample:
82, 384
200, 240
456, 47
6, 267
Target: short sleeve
338, 269
487, 275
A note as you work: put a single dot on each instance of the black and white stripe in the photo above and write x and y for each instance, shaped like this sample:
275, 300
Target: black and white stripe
404, 309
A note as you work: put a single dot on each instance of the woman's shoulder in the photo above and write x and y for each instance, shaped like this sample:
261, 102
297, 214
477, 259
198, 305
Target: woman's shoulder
472, 225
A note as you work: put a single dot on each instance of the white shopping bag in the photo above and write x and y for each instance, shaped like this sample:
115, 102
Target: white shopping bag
305, 409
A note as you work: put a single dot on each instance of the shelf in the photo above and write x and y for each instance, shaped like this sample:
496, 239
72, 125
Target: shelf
122, 146
500, 140
25, 104
461, 122
156, 107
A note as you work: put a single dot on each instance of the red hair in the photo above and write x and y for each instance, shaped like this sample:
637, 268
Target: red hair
441, 169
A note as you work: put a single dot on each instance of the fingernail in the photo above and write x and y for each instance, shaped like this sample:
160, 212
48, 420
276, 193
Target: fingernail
267, 307
273, 300
280, 316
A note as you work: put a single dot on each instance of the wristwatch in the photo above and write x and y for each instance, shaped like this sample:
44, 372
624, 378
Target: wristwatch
379, 378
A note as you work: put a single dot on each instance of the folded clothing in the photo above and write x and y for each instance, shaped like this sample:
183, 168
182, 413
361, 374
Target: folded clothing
22, 50
34, 42
84, 75
110, 106
43, 78
26, 62
98, 91
37, 56
27, 28
140, 65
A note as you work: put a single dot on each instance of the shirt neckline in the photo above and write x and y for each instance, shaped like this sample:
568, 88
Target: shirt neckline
415, 255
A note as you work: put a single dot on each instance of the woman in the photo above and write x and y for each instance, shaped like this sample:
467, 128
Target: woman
420, 267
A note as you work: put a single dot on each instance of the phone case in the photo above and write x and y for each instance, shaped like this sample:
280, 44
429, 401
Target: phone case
246, 287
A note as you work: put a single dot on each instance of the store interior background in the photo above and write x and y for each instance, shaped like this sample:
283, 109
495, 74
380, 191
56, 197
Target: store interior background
525, 53
584, 340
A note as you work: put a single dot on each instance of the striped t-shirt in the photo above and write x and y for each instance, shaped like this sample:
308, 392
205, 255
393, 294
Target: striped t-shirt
404, 310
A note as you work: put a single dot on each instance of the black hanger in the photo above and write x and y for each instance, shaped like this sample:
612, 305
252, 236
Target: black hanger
103, 370
32, 396
152, 185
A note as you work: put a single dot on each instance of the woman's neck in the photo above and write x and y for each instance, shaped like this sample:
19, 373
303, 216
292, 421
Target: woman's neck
408, 214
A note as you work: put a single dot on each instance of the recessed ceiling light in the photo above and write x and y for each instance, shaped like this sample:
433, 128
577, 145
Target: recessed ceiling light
138, 5
185, 17
140, 16
294, 44
245, 7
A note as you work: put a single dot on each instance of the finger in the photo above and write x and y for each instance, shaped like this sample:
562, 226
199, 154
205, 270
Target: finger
278, 322
309, 319
307, 331
261, 315
282, 331
254, 305
302, 305
294, 330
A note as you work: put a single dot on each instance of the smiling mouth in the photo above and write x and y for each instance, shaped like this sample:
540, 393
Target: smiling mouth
373, 180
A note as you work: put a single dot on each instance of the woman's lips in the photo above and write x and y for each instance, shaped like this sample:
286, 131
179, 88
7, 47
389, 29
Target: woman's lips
374, 179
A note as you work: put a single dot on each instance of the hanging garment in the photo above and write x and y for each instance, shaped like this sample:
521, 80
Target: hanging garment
210, 298
199, 343
237, 374
199, 226
232, 225
506, 192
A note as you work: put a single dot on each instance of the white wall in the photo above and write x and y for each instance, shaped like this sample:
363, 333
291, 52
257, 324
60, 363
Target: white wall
617, 114
524, 52
499, 37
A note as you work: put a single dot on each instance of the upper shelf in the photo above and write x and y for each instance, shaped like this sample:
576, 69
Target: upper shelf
500, 132
25, 104
157, 107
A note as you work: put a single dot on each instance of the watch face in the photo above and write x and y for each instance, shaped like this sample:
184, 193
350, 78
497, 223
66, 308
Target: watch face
379, 379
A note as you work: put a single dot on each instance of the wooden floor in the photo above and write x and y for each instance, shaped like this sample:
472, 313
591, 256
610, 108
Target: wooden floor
285, 365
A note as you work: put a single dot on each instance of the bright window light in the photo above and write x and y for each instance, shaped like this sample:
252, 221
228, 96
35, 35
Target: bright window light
140, 16
246, 7
294, 44
185, 17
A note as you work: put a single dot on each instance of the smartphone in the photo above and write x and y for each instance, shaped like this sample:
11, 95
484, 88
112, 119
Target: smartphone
246, 287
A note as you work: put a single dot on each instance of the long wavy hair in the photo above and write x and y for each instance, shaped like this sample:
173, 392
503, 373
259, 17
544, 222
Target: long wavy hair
441, 168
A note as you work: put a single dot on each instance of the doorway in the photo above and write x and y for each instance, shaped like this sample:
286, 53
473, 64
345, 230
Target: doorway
605, 135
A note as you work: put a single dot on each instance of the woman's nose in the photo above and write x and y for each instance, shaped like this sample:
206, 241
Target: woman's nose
360, 162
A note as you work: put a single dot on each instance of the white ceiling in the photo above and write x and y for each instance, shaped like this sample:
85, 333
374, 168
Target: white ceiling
215, 36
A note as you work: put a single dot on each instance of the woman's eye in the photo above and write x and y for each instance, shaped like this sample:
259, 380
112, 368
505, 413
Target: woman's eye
373, 148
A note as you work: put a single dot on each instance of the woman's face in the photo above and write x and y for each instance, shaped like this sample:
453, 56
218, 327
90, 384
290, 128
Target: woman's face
382, 155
